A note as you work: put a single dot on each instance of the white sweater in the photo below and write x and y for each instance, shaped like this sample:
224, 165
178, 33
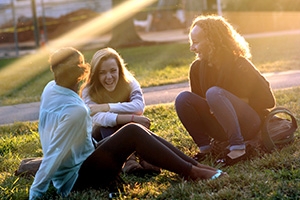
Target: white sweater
136, 105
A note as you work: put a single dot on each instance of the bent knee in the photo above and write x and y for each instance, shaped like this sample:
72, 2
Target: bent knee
132, 127
213, 92
182, 97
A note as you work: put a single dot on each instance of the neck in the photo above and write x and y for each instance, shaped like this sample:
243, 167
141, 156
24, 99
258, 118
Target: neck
73, 87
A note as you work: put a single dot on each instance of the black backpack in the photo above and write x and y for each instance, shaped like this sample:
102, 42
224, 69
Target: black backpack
278, 128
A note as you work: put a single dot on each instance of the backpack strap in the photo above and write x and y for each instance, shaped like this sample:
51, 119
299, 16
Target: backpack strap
267, 141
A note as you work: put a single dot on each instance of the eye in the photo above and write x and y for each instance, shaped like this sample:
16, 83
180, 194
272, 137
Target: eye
113, 70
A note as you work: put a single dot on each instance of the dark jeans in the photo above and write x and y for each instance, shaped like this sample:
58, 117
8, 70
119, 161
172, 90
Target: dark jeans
105, 163
221, 116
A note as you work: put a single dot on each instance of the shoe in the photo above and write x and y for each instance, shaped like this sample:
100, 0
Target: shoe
227, 161
200, 156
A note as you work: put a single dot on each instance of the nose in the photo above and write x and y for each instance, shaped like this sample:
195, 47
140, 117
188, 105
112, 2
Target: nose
108, 75
192, 48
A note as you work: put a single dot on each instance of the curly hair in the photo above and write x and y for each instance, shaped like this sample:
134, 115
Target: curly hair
222, 37
96, 90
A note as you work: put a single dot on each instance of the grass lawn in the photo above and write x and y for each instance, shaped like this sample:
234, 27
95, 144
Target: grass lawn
265, 176
23, 79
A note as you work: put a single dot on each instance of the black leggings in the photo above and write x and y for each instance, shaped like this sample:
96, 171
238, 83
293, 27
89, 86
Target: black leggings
105, 163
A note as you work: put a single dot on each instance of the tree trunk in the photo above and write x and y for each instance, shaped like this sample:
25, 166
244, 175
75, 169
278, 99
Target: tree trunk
124, 34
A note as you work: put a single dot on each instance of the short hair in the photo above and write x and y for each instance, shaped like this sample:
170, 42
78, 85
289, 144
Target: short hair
65, 62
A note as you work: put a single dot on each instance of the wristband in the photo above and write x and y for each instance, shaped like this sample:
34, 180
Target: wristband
132, 117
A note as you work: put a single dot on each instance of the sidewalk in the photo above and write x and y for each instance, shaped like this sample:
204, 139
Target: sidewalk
153, 95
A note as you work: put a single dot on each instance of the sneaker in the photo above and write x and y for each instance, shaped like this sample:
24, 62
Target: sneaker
227, 161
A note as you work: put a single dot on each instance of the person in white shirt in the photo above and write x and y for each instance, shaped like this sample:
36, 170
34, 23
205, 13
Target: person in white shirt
70, 160
115, 98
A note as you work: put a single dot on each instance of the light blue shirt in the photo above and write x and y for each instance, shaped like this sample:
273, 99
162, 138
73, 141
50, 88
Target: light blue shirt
65, 132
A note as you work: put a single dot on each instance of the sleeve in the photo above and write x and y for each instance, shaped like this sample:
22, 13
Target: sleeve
136, 105
67, 134
105, 119
260, 94
86, 97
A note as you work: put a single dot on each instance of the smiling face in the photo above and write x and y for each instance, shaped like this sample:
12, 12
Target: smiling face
109, 74
198, 42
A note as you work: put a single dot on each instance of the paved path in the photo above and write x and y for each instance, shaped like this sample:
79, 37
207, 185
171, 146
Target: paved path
153, 95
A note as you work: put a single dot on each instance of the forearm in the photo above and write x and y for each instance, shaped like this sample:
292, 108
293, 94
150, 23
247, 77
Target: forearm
125, 118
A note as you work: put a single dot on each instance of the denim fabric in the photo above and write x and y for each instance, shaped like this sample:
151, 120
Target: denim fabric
221, 116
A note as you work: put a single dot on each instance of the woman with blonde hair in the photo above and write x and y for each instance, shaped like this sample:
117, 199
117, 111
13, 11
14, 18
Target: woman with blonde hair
115, 99
229, 97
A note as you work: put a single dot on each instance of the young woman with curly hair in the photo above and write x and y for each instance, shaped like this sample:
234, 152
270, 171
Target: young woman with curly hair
229, 97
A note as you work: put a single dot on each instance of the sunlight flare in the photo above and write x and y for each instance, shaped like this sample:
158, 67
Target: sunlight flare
26, 68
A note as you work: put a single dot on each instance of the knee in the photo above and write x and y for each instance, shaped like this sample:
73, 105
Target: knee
182, 98
133, 129
212, 92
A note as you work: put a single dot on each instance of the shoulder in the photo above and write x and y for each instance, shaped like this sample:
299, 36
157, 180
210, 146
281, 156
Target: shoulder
133, 81
245, 65
85, 93
241, 61
195, 63
75, 112
134, 84
195, 66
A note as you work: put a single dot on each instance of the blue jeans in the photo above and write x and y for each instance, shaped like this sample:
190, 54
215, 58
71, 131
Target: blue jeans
221, 116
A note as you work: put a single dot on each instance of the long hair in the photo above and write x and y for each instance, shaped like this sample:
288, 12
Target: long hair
69, 67
222, 38
96, 90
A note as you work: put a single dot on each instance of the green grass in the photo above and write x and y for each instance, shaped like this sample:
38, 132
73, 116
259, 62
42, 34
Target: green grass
266, 176
23, 81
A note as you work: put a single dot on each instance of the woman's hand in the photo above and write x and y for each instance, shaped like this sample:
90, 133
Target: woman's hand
140, 119
95, 108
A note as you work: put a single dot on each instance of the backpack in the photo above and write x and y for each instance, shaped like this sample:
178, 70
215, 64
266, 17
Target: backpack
278, 128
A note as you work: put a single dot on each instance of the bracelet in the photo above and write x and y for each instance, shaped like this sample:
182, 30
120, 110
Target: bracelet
132, 117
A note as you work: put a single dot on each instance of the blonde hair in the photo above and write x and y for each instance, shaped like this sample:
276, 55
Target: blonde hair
222, 37
96, 90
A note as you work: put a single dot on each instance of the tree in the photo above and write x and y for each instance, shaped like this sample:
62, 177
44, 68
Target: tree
124, 33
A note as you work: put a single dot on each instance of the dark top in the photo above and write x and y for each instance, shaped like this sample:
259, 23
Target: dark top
240, 77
